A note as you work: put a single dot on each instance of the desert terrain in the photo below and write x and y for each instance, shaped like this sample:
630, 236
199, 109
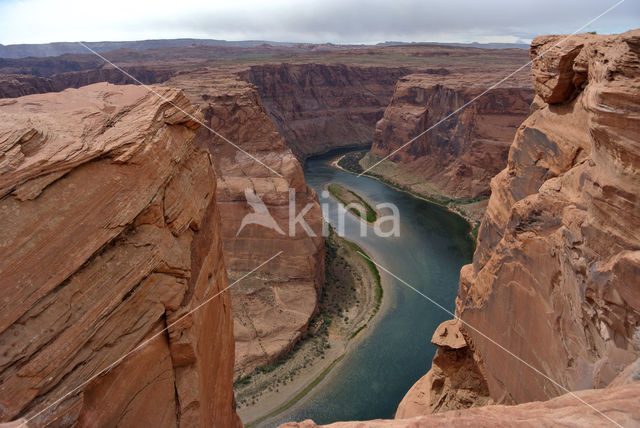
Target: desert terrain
136, 292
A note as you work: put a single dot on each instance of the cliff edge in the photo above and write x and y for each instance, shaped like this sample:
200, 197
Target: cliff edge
613, 406
555, 275
111, 233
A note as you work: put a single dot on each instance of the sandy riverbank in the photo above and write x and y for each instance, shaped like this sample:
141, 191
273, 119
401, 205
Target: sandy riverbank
350, 298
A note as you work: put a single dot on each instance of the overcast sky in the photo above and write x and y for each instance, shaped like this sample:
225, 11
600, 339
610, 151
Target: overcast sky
336, 21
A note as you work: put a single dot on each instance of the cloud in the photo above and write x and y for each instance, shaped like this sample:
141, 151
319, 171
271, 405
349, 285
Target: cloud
37, 21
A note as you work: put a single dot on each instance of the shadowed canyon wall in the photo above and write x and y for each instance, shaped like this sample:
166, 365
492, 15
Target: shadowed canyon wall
318, 107
14, 85
458, 157
271, 311
111, 233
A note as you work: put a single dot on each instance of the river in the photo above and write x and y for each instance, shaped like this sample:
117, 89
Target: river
388, 358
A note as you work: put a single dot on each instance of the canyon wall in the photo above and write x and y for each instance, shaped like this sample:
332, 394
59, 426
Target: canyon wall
558, 256
18, 85
271, 311
320, 107
554, 279
458, 157
111, 234
315, 107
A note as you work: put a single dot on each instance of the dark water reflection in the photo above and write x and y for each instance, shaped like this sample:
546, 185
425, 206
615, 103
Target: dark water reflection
384, 363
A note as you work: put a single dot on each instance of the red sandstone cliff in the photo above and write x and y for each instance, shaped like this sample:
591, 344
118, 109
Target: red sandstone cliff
318, 107
558, 257
111, 232
271, 311
555, 275
458, 157
455, 380
271, 315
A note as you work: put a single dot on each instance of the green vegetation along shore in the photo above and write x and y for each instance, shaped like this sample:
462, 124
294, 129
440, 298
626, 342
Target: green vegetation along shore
350, 298
351, 162
357, 205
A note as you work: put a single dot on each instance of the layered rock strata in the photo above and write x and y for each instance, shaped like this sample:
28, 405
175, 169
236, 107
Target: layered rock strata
17, 85
234, 109
454, 381
458, 157
111, 233
320, 107
271, 311
555, 275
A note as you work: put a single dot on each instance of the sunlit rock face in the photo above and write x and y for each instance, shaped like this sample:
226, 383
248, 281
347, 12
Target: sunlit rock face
110, 234
555, 275
454, 380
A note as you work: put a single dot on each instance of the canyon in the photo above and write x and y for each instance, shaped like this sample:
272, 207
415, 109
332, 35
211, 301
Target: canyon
321, 107
271, 312
550, 303
559, 245
117, 187
306, 106
458, 157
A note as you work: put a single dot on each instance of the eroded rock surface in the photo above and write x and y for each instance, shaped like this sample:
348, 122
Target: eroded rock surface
555, 275
320, 107
111, 233
453, 382
270, 318
271, 311
458, 157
